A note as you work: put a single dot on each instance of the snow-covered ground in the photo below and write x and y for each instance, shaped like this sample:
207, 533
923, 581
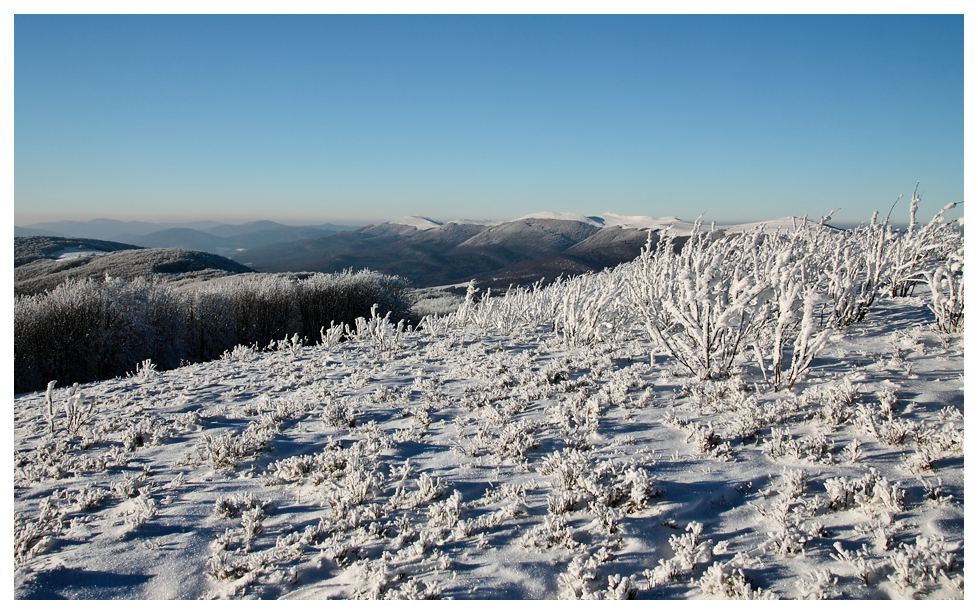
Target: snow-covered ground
73, 253
464, 463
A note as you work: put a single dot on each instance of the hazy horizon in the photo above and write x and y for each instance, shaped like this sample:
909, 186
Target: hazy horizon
354, 120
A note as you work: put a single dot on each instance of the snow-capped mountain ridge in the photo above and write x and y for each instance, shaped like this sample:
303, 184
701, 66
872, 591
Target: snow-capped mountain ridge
417, 221
611, 220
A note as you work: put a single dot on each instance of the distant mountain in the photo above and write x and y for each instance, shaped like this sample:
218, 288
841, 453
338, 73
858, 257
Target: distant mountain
21, 231
148, 234
231, 230
107, 229
431, 253
183, 238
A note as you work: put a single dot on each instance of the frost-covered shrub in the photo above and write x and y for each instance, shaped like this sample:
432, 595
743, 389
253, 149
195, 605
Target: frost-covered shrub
331, 337
819, 584
915, 249
31, 537
722, 297
582, 570
240, 352
514, 440
717, 582
380, 332
689, 549
85, 330
90, 497
946, 283
142, 509
226, 450
835, 402
860, 561
924, 562
145, 371
707, 441
553, 532
428, 488
697, 303
588, 310
872, 491
293, 468
790, 330
580, 482
78, 411
336, 415
446, 513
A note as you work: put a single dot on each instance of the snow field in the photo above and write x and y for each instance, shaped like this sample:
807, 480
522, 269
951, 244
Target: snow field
470, 464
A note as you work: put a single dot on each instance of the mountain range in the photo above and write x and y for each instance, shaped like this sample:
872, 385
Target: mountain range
424, 251
214, 237
427, 252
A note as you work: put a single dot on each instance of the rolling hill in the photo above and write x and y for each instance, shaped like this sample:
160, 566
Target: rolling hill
45, 262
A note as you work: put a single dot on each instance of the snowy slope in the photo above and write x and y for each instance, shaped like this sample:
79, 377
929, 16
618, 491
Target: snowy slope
553, 215
643, 222
421, 223
785, 223
466, 463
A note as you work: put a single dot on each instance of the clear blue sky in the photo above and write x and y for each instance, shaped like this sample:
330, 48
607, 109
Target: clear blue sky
357, 119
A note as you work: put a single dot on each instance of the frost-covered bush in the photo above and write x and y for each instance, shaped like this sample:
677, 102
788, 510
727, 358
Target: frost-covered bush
860, 561
913, 251
31, 536
723, 297
378, 332
719, 583
553, 532
698, 303
790, 329
85, 330
588, 309
946, 284
868, 493
226, 450
872, 258
924, 562
575, 583
580, 482
143, 507
689, 550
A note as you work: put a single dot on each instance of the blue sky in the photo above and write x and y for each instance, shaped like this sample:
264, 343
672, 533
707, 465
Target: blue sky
366, 118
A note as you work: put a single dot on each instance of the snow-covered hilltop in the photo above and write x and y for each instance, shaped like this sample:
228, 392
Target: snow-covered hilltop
416, 221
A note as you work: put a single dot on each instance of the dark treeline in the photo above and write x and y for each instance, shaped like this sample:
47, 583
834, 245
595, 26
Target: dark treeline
86, 330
